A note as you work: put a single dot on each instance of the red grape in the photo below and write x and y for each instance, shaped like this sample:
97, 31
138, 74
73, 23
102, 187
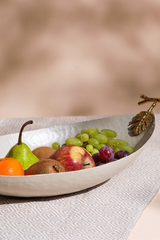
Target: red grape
113, 160
100, 163
106, 153
121, 154
96, 157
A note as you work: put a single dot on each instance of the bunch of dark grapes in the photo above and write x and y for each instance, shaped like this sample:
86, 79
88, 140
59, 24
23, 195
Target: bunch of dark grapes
107, 154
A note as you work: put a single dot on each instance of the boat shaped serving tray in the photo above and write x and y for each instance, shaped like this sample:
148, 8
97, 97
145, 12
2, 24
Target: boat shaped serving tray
69, 182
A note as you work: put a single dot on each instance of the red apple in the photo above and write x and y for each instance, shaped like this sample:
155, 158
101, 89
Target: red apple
73, 158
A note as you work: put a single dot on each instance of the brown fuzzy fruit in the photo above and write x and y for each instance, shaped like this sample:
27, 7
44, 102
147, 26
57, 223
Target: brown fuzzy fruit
43, 152
45, 166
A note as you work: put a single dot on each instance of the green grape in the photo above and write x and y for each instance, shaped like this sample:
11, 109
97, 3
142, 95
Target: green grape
110, 133
89, 147
93, 141
111, 142
74, 141
122, 142
103, 133
115, 149
94, 151
127, 148
78, 135
55, 145
84, 137
83, 131
101, 138
99, 146
92, 130
92, 135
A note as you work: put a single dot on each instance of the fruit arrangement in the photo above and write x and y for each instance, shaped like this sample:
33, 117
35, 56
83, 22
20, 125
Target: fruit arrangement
89, 148
102, 145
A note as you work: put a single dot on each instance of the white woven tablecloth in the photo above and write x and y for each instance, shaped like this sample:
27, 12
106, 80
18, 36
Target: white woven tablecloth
108, 211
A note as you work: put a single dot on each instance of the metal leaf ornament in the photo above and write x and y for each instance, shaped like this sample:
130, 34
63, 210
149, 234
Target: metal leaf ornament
143, 119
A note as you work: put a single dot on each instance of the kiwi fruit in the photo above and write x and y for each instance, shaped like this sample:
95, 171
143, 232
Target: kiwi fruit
43, 152
45, 166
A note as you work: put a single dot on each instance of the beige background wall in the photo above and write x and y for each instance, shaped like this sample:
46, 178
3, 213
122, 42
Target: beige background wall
86, 57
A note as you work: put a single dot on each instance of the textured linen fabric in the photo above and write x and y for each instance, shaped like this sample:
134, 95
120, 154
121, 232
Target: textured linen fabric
108, 211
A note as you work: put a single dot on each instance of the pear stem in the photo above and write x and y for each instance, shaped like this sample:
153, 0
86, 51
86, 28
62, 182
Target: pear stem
21, 130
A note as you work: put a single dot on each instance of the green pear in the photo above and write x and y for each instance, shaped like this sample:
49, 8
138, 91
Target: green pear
22, 152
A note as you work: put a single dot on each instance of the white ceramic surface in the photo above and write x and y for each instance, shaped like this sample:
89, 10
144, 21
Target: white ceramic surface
69, 182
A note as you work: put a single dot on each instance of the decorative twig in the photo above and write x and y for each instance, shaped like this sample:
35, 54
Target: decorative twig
143, 119
147, 99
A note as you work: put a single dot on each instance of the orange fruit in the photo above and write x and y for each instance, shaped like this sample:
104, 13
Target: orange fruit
11, 167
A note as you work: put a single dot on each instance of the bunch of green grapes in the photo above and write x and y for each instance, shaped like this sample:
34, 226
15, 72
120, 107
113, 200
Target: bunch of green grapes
93, 140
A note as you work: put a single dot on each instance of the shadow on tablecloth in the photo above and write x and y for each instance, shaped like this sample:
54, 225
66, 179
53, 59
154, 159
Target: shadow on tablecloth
15, 200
